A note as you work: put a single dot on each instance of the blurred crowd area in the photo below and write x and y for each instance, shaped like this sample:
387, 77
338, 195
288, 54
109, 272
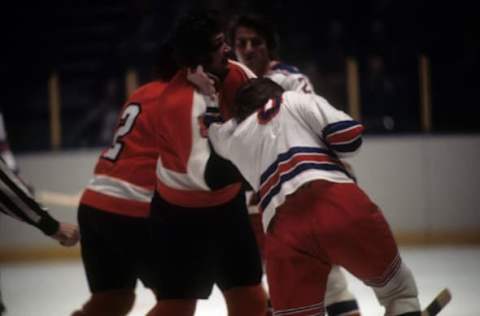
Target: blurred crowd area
90, 45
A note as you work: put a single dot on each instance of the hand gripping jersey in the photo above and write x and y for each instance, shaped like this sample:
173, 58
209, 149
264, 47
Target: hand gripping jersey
124, 177
290, 141
289, 78
183, 152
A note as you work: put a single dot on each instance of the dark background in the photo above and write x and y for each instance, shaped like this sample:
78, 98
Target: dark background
91, 44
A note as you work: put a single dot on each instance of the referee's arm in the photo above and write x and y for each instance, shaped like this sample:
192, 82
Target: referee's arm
17, 202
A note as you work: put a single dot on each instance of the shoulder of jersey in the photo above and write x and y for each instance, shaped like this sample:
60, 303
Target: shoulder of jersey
241, 69
148, 92
282, 67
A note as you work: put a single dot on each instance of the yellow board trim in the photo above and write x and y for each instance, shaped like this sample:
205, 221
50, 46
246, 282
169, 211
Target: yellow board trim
24, 254
39, 254
439, 238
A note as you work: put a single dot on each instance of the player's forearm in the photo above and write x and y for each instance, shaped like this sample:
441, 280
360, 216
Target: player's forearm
343, 137
17, 202
220, 172
47, 224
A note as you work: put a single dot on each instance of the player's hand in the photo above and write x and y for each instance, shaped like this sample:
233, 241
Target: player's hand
349, 169
211, 115
206, 85
202, 81
347, 166
67, 235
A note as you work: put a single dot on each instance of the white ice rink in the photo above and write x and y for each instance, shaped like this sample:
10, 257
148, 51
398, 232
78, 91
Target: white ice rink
57, 288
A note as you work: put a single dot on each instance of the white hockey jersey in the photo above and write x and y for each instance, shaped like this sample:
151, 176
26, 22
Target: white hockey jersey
290, 141
290, 78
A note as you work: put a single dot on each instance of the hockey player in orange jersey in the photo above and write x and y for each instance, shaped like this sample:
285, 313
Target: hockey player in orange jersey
115, 204
202, 232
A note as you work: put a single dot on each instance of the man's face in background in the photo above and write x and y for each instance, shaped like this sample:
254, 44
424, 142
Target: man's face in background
251, 50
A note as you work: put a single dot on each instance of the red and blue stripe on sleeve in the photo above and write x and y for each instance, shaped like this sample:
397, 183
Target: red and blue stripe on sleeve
343, 136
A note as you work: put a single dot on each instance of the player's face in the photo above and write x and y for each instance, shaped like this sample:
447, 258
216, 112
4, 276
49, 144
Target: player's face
219, 56
251, 50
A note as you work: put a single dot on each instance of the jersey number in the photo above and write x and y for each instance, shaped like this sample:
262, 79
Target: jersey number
125, 126
305, 87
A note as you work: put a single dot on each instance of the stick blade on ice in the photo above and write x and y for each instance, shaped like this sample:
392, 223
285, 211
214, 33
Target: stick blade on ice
437, 305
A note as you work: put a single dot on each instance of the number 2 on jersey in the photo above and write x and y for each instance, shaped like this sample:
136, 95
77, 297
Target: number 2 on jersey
125, 126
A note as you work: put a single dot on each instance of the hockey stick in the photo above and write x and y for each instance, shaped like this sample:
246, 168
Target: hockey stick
438, 303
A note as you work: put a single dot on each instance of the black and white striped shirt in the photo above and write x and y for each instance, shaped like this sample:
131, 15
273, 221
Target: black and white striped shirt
17, 202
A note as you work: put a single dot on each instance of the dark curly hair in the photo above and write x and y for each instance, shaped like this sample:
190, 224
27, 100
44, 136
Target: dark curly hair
165, 66
192, 37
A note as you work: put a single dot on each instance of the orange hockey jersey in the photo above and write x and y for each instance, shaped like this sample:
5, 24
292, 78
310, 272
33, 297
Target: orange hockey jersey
183, 152
124, 177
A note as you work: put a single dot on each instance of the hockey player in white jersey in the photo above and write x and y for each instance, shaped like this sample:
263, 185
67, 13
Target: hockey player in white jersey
255, 44
288, 145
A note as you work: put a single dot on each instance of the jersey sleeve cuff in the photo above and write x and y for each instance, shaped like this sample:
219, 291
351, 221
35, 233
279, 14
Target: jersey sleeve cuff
48, 225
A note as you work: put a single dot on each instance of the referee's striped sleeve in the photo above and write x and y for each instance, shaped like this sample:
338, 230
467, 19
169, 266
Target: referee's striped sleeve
17, 202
